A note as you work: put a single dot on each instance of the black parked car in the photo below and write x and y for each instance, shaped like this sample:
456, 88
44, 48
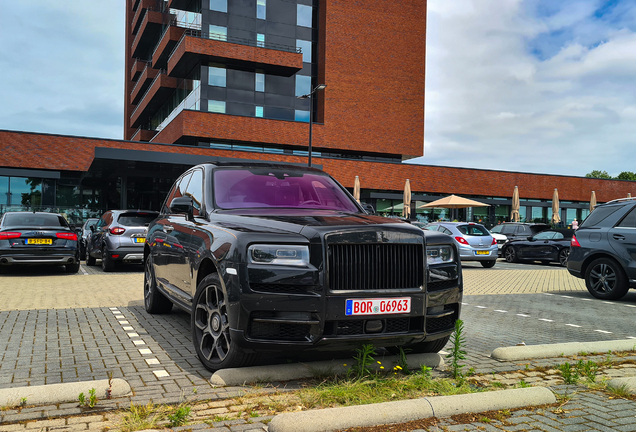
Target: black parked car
35, 238
603, 250
272, 257
519, 230
84, 234
119, 237
551, 245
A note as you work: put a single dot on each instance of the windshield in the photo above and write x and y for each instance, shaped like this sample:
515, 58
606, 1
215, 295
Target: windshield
274, 187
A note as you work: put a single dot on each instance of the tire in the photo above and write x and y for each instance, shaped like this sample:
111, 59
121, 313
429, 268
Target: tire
605, 279
90, 261
72, 268
211, 328
488, 264
108, 265
154, 301
423, 347
563, 256
510, 254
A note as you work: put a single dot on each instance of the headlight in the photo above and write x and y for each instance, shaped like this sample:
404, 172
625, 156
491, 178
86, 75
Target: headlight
439, 254
290, 255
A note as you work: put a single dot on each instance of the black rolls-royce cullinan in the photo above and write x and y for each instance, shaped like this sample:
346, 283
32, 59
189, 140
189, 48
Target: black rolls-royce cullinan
270, 257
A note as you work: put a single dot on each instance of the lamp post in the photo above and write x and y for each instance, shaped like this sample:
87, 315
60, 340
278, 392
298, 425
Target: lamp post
319, 87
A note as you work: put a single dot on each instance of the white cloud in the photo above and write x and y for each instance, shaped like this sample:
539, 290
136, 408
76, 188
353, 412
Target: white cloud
510, 88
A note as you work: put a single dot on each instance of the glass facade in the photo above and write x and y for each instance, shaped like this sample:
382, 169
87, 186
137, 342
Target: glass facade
187, 96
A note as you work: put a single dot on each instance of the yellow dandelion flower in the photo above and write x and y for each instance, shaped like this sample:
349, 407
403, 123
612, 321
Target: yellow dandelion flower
381, 367
379, 362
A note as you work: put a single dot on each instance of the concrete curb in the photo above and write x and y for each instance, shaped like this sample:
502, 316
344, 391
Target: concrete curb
628, 382
403, 411
60, 393
287, 372
556, 350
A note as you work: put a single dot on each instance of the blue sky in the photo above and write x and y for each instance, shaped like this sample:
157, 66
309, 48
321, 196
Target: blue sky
534, 86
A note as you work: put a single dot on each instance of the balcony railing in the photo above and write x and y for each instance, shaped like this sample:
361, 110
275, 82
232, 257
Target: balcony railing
159, 74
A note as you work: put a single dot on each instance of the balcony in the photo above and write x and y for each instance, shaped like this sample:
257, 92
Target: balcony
179, 4
137, 68
196, 46
144, 135
148, 33
167, 42
146, 78
158, 92
140, 12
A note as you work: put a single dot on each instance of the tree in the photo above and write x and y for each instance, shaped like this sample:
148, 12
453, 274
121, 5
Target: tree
627, 175
598, 174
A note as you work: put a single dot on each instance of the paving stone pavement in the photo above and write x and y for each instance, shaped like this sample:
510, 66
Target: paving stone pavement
82, 327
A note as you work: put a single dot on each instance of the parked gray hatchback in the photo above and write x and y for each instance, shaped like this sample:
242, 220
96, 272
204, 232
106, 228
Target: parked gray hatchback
473, 240
119, 237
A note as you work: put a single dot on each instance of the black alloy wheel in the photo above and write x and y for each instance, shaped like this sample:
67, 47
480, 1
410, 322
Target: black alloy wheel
605, 279
108, 265
488, 264
510, 254
211, 328
563, 256
154, 301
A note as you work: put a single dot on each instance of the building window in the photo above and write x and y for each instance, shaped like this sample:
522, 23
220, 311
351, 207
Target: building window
218, 5
306, 48
217, 76
260, 40
303, 16
216, 106
303, 85
260, 9
218, 32
259, 111
259, 83
302, 116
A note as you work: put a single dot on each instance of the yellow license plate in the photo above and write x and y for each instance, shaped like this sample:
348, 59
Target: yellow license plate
139, 240
482, 252
39, 241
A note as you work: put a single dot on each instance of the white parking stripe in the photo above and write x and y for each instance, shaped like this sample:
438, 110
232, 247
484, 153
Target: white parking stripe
502, 311
481, 307
546, 320
84, 272
523, 315
566, 296
603, 331
573, 325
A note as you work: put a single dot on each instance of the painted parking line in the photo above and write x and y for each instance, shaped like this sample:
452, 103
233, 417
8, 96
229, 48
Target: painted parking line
502, 311
523, 315
546, 320
603, 331
573, 325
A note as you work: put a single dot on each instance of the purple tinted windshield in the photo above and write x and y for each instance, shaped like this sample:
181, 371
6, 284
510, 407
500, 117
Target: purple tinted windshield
267, 187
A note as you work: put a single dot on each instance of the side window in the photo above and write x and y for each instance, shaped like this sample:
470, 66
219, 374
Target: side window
523, 230
195, 190
629, 221
177, 191
508, 229
446, 230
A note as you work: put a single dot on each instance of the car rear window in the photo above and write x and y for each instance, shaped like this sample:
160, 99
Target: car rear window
34, 220
599, 215
136, 219
473, 230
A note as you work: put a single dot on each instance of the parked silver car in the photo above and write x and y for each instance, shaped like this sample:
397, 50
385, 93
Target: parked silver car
119, 237
473, 240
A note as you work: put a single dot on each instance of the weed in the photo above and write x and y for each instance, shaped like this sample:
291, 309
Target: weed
457, 353
570, 375
402, 361
179, 416
620, 391
92, 398
141, 417
23, 401
220, 418
524, 384
194, 390
82, 399
426, 371
471, 372
254, 414
363, 360
485, 420
588, 369
497, 384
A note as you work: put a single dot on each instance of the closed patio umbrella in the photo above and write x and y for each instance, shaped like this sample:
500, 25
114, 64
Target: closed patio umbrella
406, 211
514, 215
454, 201
629, 195
555, 207
356, 189
592, 201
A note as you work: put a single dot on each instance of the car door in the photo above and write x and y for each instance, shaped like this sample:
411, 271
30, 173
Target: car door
622, 237
97, 236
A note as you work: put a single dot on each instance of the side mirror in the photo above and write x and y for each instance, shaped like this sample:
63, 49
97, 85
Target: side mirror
183, 205
530, 238
92, 228
368, 208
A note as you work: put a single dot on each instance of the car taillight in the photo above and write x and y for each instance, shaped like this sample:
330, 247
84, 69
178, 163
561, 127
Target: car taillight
117, 231
494, 241
9, 235
574, 242
66, 236
461, 240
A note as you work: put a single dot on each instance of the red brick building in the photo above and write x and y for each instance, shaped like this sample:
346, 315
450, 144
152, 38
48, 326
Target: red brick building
216, 79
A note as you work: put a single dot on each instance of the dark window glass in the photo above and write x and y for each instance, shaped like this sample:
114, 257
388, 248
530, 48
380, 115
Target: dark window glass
303, 16
508, 229
16, 220
546, 235
218, 5
195, 190
497, 229
599, 215
136, 219
243, 188
445, 230
473, 230
629, 221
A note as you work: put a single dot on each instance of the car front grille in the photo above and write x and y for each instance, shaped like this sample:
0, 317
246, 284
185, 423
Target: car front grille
375, 266
285, 289
279, 331
356, 327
